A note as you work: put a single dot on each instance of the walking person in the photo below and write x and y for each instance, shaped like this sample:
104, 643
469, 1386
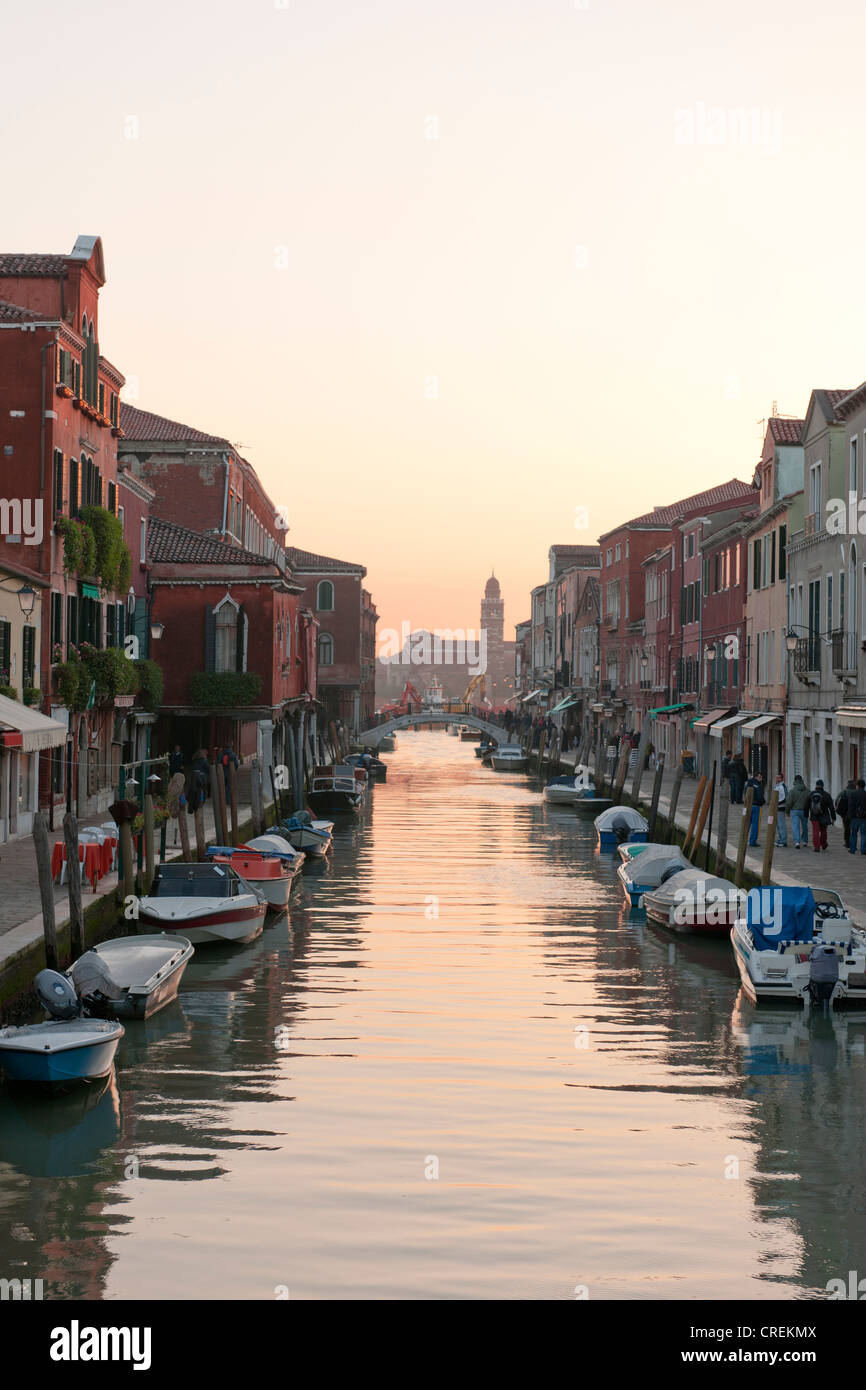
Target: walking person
844, 809
797, 802
175, 762
857, 815
757, 785
738, 778
781, 823
227, 757
821, 813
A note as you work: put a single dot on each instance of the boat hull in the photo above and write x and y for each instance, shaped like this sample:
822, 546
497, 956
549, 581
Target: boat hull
689, 920
592, 805
52, 1064
239, 924
608, 841
308, 841
335, 803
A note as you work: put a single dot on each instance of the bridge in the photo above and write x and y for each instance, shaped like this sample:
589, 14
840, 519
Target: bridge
371, 738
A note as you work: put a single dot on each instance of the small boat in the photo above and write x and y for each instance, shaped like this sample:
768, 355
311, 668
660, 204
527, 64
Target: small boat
303, 833
131, 976
791, 944
388, 743
694, 901
618, 824
484, 747
67, 1047
337, 789
276, 845
576, 789
453, 730
210, 902
508, 757
646, 866
469, 734
376, 769
270, 870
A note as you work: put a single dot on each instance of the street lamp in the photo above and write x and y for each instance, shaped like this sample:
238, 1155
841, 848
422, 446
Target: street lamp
27, 599
156, 630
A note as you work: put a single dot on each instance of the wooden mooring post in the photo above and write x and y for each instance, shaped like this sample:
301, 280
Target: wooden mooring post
675, 797
696, 806
46, 889
722, 832
709, 794
73, 881
656, 793
770, 837
744, 836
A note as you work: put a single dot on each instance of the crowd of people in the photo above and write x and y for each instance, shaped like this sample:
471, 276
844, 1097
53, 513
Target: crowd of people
807, 807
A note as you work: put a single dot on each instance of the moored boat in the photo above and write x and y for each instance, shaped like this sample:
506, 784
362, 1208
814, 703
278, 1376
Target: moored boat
131, 976
314, 837
207, 902
67, 1047
618, 824
337, 789
469, 734
796, 943
508, 757
270, 870
376, 769
387, 743
694, 901
647, 866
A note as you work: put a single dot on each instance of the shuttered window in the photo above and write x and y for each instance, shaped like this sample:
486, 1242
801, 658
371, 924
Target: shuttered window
56, 620
71, 618
28, 653
783, 558
58, 480
5, 651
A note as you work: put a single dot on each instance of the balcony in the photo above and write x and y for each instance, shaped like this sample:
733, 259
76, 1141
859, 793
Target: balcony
844, 651
807, 658
812, 524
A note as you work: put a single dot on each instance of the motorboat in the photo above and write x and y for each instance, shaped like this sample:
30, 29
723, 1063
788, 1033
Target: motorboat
270, 869
577, 789
337, 789
209, 902
65, 1048
131, 976
619, 824
485, 747
797, 943
453, 730
508, 757
647, 866
304, 833
376, 769
388, 743
694, 901
469, 734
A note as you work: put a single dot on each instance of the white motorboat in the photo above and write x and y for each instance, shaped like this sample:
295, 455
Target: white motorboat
647, 866
209, 902
576, 789
694, 901
65, 1048
387, 743
131, 976
797, 943
618, 824
508, 757
314, 837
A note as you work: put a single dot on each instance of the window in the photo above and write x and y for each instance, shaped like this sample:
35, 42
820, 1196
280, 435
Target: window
142, 542
56, 619
325, 596
71, 618
829, 603
815, 489
74, 494
112, 498
226, 637
737, 553
756, 564
815, 614
618, 553
717, 582
852, 466
326, 649
691, 544
609, 558
783, 557
28, 653
58, 480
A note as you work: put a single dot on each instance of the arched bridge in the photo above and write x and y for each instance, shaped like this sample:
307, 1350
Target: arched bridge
430, 716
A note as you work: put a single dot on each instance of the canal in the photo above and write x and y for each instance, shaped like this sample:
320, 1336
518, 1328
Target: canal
460, 1070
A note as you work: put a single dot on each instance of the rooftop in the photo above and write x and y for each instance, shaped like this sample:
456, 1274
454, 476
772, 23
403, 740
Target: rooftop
660, 518
306, 560
168, 543
144, 424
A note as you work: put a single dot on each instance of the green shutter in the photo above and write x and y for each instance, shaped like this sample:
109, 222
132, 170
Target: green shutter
5, 651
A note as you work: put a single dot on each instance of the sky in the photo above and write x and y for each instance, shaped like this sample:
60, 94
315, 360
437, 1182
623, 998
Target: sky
462, 279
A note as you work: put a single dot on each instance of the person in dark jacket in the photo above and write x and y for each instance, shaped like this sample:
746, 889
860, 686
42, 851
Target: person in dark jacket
737, 776
857, 817
227, 757
757, 785
175, 762
842, 806
198, 780
821, 813
798, 804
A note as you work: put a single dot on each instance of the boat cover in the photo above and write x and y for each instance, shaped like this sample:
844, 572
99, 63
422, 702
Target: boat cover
616, 816
648, 866
91, 975
714, 891
780, 914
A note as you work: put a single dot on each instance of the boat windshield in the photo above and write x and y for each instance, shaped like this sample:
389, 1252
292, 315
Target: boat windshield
193, 881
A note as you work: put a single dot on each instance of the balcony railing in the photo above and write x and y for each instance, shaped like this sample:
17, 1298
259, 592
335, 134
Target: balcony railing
807, 656
844, 646
812, 524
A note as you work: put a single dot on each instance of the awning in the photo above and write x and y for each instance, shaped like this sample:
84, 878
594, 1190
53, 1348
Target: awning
89, 591
597, 709
719, 727
532, 694
564, 704
27, 729
669, 709
761, 722
707, 719
851, 716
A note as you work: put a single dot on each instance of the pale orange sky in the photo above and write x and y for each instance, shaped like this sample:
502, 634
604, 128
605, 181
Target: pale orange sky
610, 289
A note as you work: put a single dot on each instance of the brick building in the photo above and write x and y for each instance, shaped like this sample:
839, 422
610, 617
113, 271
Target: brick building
333, 592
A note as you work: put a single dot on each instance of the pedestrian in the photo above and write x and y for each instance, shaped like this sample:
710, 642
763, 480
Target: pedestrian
843, 808
738, 776
175, 762
797, 802
781, 823
227, 757
725, 770
687, 758
756, 782
821, 813
197, 781
857, 816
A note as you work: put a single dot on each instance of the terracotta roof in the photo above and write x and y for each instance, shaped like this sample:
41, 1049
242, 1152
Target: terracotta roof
786, 431
590, 554
143, 424
834, 397
168, 544
662, 517
16, 263
13, 313
319, 564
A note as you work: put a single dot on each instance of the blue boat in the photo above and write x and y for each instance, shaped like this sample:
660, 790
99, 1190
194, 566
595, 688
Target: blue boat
66, 1048
646, 866
617, 825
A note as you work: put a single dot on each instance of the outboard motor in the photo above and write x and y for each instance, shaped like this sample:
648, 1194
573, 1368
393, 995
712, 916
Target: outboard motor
57, 995
823, 974
670, 870
621, 828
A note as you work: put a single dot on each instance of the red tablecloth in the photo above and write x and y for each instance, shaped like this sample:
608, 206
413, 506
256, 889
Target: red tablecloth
95, 857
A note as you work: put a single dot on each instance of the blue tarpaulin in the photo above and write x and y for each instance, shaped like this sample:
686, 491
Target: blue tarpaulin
780, 914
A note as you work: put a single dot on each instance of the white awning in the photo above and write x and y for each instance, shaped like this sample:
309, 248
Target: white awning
851, 716
761, 722
36, 730
532, 694
717, 729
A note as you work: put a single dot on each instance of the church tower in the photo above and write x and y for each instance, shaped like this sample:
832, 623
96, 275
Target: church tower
493, 620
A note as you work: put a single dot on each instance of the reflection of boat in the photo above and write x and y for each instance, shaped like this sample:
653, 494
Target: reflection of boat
65, 1048
336, 789
618, 824
646, 866
131, 976
208, 902
694, 901
60, 1140
798, 942
508, 757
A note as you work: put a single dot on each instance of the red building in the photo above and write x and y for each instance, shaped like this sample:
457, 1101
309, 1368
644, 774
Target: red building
59, 403
346, 619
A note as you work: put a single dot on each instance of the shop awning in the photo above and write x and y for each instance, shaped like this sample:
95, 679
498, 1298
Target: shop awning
532, 694
761, 722
27, 729
851, 716
669, 709
89, 591
721, 725
707, 719
564, 704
